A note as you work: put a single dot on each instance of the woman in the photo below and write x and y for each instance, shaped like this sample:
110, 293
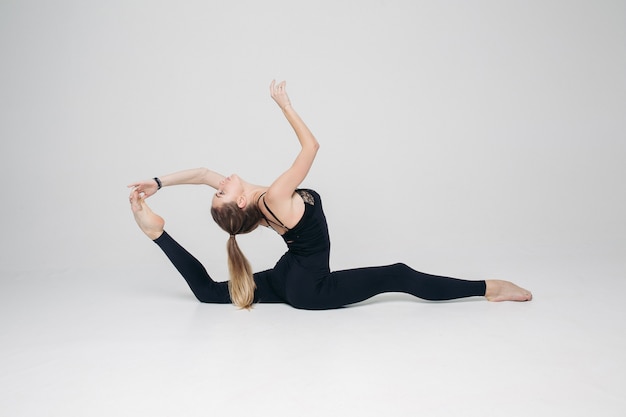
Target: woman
302, 277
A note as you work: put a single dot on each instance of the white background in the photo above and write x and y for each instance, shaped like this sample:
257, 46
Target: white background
467, 138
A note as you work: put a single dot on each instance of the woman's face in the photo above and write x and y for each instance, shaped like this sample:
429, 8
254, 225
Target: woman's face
230, 189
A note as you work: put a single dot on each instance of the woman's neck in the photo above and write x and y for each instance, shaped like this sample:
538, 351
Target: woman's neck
254, 192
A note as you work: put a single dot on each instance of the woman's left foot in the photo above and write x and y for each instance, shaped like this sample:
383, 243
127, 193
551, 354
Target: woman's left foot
498, 290
150, 223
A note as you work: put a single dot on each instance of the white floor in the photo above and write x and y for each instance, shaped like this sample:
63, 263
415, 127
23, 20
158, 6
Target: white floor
134, 343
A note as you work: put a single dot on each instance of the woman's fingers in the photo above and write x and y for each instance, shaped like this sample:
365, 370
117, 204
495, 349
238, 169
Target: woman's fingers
279, 93
276, 88
281, 87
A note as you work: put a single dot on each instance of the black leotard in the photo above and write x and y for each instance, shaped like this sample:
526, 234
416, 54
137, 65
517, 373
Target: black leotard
310, 234
302, 276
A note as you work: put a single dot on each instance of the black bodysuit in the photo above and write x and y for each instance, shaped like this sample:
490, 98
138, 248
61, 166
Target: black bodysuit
302, 276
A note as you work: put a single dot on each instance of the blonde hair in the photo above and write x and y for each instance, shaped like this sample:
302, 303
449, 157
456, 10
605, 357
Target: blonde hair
234, 221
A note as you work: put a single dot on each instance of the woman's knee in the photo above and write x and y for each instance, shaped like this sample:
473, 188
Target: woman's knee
401, 268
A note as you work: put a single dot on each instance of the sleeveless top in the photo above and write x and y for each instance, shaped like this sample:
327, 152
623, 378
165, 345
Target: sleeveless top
310, 234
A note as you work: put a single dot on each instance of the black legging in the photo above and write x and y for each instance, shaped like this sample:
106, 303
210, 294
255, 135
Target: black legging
307, 283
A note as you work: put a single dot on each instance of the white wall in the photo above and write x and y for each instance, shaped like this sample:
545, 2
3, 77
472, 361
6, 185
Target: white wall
459, 137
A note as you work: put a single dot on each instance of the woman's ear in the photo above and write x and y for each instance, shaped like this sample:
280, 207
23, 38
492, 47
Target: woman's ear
242, 202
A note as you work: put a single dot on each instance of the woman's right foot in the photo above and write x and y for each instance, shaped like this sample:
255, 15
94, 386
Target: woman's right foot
150, 223
498, 290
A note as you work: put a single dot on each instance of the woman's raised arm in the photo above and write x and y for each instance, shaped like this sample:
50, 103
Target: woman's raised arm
282, 189
190, 176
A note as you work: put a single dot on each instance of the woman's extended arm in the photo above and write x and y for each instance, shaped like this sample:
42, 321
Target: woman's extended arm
190, 176
282, 189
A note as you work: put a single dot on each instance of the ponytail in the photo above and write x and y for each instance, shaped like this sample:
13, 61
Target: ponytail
241, 284
235, 221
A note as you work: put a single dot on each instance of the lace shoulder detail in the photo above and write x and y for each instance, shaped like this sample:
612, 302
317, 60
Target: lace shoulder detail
307, 197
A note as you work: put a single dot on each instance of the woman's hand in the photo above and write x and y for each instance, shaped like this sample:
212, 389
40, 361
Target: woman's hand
145, 188
279, 94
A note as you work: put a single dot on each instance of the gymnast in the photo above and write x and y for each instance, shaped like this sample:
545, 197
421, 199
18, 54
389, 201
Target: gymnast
302, 277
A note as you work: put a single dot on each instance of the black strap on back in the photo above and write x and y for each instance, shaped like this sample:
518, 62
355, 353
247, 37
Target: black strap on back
272, 213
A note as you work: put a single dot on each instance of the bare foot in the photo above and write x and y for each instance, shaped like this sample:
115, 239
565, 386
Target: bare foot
498, 290
149, 222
